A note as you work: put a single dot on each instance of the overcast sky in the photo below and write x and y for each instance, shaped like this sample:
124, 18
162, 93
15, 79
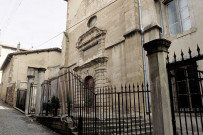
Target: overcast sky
32, 22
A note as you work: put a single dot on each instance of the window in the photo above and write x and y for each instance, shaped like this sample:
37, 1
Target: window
178, 16
187, 87
92, 21
89, 1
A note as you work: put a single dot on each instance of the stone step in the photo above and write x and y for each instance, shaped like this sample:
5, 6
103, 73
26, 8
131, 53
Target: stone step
111, 124
147, 132
114, 117
100, 122
113, 128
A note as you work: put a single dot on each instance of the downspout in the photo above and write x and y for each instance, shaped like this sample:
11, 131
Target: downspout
143, 53
161, 20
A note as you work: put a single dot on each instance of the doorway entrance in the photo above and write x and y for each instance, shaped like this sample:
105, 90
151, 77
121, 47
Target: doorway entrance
89, 93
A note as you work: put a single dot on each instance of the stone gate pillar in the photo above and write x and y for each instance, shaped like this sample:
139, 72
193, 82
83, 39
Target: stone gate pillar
27, 102
39, 91
161, 108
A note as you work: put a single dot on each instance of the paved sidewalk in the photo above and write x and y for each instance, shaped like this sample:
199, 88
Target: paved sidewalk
13, 122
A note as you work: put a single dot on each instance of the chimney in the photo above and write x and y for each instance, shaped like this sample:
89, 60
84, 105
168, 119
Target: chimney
18, 47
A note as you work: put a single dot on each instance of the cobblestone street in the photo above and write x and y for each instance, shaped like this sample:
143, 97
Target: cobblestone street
13, 122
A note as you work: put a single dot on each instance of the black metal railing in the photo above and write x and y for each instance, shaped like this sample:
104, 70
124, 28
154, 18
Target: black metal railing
186, 86
124, 111
102, 110
50, 98
21, 98
186, 92
109, 110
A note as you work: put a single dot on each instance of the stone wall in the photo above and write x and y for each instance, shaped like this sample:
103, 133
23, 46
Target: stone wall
10, 94
153, 19
5, 81
55, 124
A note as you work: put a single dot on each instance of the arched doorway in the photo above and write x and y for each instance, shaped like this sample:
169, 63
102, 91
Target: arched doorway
89, 93
89, 80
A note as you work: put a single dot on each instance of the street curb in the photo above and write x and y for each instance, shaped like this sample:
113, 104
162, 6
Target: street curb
19, 110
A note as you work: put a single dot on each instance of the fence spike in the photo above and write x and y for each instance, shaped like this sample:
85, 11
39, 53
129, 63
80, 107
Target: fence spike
190, 53
167, 58
182, 54
121, 88
174, 56
147, 87
115, 89
133, 87
198, 50
142, 86
125, 87
129, 88
137, 86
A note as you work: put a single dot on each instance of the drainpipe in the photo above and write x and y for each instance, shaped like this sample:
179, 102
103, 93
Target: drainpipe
161, 20
143, 52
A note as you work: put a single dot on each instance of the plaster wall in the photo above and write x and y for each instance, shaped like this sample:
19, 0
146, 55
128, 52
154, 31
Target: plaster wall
17, 69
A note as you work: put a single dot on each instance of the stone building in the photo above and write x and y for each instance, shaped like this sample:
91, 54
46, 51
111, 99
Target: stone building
103, 41
5, 50
18, 67
104, 38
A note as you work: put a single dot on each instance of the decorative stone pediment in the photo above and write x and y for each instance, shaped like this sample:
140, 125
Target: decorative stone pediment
91, 38
91, 63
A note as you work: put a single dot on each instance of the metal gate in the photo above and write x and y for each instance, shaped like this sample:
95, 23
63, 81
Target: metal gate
21, 98
186, 88
106, 110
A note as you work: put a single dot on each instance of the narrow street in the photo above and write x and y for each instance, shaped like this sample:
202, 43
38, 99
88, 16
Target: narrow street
13, 122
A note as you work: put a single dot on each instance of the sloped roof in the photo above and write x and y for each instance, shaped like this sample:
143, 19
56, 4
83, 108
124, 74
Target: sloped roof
9, 56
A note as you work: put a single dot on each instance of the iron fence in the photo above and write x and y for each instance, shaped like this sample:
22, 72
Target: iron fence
185, 83
108, 110
50, 98
105, 110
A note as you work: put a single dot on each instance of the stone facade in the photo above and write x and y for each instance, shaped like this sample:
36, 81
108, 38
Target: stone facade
19, 66
4, 51
110, 49
117, 36
10, 94
155, 20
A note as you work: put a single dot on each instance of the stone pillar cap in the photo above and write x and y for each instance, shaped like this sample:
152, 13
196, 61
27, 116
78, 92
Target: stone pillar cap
30, 76
42, 69
157, 45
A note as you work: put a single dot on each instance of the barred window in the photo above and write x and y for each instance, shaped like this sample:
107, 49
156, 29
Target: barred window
178, 16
